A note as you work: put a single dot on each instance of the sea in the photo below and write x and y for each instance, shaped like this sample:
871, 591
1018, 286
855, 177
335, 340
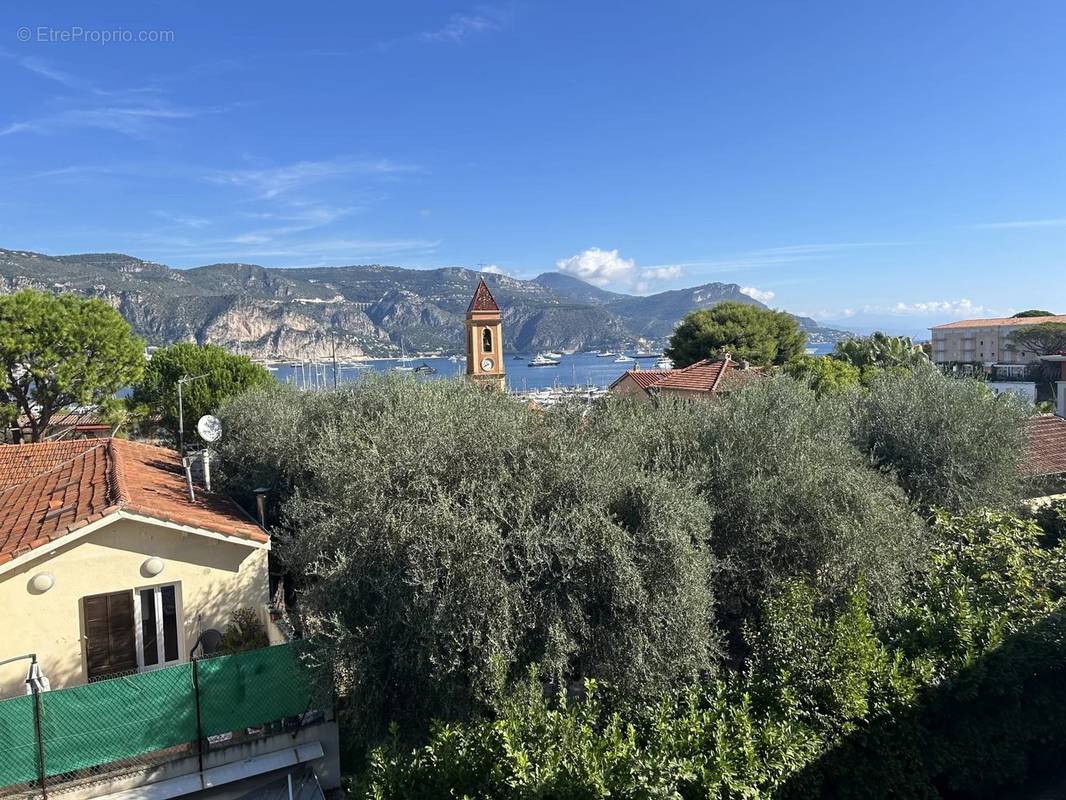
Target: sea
578, 369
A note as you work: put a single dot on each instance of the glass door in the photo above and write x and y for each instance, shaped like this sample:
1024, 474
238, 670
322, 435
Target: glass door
158, 626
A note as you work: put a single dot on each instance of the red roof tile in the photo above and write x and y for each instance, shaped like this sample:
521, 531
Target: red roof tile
1046, 450
482, 299
643, 377
703, 376
20, 462
63, 488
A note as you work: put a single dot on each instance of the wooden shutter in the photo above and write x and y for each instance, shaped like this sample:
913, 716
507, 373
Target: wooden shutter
111, 645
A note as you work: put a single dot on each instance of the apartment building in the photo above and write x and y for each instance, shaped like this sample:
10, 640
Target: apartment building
985, 341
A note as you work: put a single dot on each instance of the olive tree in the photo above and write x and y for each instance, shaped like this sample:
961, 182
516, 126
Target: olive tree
949, 442
449, 539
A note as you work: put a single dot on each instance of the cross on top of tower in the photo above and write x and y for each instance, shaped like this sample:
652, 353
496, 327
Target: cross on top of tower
482, 299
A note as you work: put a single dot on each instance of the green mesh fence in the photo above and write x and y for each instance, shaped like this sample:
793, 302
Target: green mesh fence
122, 718
248, 689
119, 718
18, 748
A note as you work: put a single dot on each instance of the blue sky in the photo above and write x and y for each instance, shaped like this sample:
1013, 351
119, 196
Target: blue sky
872, 163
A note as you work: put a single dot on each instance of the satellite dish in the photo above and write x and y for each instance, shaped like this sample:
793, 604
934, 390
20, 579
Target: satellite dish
210, 428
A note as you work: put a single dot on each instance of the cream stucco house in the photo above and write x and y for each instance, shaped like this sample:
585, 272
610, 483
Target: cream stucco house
108, 567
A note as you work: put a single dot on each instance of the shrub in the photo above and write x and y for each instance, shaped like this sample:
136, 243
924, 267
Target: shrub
244, 632
949, 442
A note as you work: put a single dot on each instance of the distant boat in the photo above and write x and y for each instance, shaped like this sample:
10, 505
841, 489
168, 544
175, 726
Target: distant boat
424, 369
550, 354
664, 363
645, 354
542, 360
454, 359
403, 365
604, 354
622, 359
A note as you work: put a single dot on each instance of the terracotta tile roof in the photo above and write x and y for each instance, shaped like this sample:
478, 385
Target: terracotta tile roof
703, 376
63, 489
482, 299
1046, 451
20, 462
643, 377
999, 322
82, 418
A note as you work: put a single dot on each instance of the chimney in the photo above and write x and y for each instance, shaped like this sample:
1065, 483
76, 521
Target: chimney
207, 469
261, 505
186, 462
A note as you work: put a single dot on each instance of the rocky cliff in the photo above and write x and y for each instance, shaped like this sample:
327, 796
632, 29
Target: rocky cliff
292, 314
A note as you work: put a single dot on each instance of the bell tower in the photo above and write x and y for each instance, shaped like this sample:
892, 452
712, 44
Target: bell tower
484, 340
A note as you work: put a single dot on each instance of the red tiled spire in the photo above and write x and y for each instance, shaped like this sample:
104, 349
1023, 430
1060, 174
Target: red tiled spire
482, 299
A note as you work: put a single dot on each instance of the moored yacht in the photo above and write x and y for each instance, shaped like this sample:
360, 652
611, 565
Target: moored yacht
542, 360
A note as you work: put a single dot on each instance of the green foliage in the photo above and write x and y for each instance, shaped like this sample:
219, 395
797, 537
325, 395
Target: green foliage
450, 539
948, 442
746, 588
155, 396
1033, 312
1052, 521
61, 351
832, 704
759, 335
881, 351
245, 631
794, 499
826, 376
1042, 339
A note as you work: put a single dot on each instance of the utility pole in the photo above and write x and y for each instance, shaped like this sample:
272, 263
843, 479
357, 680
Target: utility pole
181, 410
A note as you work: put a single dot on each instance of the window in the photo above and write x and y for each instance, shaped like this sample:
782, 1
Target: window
158, 626
486, 341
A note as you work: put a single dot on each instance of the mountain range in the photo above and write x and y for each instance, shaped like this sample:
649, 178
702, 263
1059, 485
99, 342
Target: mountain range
372, 310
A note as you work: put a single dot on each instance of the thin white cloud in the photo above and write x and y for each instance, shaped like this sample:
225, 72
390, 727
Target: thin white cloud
953, 308
762, 295
1056, 222
939, 309
270, 182
186, 221
492, 269
598, 267
776, 256
652, 278
46, 70
670, 273
460, 27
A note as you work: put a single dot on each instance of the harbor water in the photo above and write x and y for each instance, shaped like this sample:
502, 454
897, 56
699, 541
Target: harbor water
578, 369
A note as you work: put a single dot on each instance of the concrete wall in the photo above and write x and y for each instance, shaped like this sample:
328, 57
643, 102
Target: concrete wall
214, 577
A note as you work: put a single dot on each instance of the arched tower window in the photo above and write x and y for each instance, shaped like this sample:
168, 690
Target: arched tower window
486, 341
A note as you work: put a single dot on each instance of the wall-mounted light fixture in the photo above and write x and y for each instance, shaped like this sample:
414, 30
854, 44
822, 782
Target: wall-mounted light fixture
42, 582
153, 566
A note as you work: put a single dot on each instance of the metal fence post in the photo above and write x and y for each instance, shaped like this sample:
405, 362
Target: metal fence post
199, 727
40, 739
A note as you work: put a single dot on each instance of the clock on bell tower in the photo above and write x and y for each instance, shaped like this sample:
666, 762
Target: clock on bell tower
484, 340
